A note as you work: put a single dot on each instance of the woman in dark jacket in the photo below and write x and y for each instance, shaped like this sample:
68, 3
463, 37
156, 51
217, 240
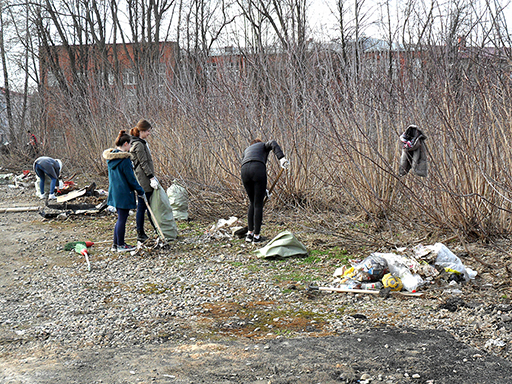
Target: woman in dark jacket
144, 171
46, 166
121, 186
254, 178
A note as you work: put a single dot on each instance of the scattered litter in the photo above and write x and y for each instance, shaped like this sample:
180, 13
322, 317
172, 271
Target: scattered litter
391, 272
495, 343
224, 228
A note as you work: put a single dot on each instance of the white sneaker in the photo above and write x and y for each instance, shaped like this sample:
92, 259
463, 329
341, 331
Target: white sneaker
52, 197
41, 196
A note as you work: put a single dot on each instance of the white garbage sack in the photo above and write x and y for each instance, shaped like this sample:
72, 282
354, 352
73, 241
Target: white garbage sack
450, 262
403, 267
178, 198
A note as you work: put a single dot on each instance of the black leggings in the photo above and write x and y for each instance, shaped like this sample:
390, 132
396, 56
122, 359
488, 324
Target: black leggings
254, 177
120, 228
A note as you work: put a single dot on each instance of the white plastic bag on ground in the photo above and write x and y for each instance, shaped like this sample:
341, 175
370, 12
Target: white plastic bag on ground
178, 198
401, 266
47, 183
450, 262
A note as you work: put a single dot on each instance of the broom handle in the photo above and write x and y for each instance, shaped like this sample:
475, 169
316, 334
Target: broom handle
273, 184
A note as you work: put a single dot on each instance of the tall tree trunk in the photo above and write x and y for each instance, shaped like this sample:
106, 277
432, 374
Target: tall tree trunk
3, 55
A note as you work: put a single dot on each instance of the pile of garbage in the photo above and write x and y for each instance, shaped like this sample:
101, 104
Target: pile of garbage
224, 228
409, 271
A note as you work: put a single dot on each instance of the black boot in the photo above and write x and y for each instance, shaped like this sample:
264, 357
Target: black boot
141, 236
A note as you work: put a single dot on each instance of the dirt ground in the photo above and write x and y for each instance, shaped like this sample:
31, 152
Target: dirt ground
387, 354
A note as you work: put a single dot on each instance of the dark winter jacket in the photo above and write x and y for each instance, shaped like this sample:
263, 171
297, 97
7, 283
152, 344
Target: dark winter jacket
142, 163
259, 152
414, 152
50, 166
121, 179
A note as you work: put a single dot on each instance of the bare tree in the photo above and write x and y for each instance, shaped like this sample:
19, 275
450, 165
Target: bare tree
5, 69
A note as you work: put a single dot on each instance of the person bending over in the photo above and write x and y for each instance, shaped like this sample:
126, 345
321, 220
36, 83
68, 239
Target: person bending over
45, 166
254, 178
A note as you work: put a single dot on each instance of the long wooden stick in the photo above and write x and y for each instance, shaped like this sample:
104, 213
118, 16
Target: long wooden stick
367, 291
19, 209
273, 185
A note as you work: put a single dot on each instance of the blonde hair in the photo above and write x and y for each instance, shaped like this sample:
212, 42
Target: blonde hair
142, 125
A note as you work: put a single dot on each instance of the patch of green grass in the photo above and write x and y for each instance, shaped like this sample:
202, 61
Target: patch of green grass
183, 225
150, 289
311, 259
336, 253
254, 268
190, 228
236, 263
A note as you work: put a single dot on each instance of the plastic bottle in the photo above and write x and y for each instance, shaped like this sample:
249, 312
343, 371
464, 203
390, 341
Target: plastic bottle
373, 285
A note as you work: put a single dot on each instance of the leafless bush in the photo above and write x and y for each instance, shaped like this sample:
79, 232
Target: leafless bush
336, 109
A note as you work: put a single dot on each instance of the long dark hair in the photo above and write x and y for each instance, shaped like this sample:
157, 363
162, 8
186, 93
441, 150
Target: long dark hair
122, 138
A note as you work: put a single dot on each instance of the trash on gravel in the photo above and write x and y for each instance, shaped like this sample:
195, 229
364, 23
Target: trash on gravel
410, 271
224, 228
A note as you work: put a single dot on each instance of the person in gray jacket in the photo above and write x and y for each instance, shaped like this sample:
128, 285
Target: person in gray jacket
144, 172
254, 178
46, 166
414, 152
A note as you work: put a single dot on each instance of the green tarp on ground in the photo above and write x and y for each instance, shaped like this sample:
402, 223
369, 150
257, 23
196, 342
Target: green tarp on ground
282, 246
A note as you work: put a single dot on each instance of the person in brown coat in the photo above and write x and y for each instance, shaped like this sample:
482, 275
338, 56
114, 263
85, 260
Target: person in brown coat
144, 172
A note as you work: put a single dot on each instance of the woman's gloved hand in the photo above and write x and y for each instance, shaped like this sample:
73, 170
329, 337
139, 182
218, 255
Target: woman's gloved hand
153, 182
284, 163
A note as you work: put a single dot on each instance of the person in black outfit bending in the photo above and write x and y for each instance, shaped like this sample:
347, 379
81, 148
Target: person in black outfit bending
254, 178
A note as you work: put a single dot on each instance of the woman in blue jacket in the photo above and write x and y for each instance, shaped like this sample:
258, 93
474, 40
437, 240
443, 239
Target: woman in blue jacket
121, 186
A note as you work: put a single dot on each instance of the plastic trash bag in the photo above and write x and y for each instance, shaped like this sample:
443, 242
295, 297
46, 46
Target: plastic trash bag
400, 266
178, 198
162, 210
283, 245
450, 262
371, 269
47, 183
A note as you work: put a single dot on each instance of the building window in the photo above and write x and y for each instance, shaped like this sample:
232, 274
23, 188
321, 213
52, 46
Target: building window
162, 74
129, 77
211, 70
52, 79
